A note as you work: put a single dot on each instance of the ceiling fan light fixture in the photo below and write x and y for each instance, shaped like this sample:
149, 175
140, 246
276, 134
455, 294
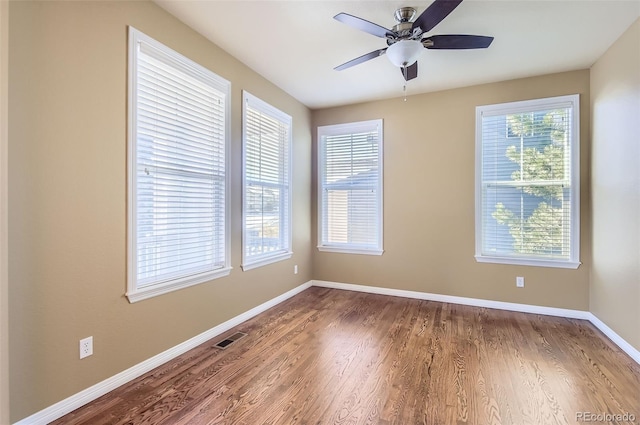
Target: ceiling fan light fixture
404, 52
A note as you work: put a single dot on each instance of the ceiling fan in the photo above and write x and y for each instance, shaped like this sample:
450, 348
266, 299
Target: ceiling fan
405, 40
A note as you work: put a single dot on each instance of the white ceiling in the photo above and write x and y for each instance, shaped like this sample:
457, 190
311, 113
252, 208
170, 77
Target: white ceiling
296, 43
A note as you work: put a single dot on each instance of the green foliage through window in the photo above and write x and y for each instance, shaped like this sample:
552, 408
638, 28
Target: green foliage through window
542, 166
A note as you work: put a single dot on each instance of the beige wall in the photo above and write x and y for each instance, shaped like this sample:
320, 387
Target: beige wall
67, 174
615, 181
429, 148
4, 282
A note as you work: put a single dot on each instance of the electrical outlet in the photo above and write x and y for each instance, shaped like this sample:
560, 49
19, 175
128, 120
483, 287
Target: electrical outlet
520, 282
295, 269
86, 347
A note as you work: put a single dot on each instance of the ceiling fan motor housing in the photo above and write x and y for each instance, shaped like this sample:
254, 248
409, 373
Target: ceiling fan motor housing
404, 30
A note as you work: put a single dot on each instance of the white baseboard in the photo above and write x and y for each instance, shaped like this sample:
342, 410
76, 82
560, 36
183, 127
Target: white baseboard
70, 404
523, 308
476, 302
617, 339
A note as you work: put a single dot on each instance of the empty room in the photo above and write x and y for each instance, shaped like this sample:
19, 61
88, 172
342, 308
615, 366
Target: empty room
319, 212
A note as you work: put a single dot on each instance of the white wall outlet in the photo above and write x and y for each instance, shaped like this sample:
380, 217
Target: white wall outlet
520, 282
295, 269
86, 347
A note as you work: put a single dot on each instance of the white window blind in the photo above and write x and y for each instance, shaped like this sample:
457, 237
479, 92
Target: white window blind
350, 187
178, 177
527, 183
267, 187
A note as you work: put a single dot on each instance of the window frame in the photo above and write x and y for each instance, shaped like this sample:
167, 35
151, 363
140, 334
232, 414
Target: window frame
519, 107
134, 291
287, 251
342, 129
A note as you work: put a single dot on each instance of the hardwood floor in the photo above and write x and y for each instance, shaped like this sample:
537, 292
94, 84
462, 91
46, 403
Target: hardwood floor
328, 356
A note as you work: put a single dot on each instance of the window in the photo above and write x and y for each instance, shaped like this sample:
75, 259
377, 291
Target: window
266, 137
178, 125
350, 188
527, 183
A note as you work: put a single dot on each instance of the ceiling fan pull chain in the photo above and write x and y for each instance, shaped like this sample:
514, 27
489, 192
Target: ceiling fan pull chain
404, 87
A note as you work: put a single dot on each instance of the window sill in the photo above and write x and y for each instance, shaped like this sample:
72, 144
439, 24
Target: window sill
264, 261
173, 285
347, 250
528, 262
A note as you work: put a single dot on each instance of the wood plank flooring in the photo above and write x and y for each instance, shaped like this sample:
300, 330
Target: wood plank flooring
329, 356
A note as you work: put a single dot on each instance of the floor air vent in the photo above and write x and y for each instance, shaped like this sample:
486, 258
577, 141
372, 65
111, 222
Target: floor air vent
230, 340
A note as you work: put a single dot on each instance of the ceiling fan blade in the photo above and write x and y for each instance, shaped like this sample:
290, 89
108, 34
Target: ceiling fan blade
362, 25
458, 41
436, 12
410, 72
359, 60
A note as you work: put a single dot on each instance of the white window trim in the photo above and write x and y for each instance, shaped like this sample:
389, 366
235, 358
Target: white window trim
249, 264
525, 106
337, 129
135, 293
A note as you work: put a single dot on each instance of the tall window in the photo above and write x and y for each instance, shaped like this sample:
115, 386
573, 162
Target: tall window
527, 182
266, 136
350, 187
178, 125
